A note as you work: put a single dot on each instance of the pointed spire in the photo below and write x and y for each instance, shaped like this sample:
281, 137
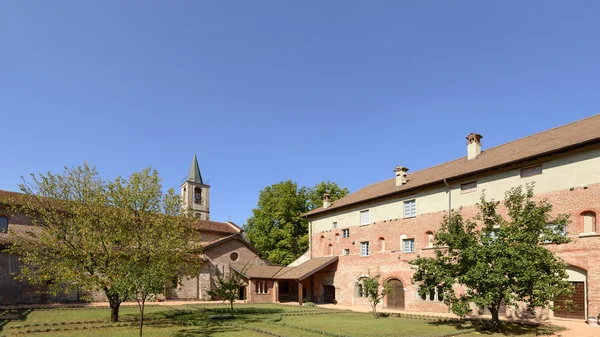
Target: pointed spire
195, 175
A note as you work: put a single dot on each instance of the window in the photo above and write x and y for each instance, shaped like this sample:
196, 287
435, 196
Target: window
468, 187
408, 245
13, 264
531, 171
197, 196
330, 249
346, 233
360, 290
433, 295
410, 208
3, 224
261, 287
364, 248
589, 222
233, 256
364, 217
335, 224
557, 229
346, 252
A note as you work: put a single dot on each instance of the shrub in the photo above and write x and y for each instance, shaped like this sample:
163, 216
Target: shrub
310, 304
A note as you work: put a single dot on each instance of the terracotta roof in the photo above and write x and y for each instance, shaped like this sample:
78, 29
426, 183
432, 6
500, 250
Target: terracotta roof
226, 227
583, 132
219, 241
282, 273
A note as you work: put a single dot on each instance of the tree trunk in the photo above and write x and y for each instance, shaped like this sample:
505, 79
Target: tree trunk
495, 317
374, 306
141, 304
115, 303
231, 303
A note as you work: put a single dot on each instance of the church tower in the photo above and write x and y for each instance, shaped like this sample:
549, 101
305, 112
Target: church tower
195, 193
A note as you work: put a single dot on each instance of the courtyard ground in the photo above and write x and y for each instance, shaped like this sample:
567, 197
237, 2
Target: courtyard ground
187, 319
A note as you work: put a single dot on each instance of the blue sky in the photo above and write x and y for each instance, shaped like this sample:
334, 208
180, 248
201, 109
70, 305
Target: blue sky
265, 91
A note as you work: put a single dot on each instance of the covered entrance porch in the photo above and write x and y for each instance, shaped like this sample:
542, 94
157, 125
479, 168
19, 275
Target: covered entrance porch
291, 284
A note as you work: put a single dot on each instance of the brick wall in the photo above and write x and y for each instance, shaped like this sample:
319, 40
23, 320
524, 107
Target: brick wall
391, 263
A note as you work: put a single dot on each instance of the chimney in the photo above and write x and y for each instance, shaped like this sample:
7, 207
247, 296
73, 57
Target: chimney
473, 145
326, 200
400, 175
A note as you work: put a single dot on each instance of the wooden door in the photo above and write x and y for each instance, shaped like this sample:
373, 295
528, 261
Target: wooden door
578, 298
395, 299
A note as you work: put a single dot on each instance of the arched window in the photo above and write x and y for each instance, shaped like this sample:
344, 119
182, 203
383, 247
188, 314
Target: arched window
3, 224
330, 248
360, 290
429, 239
589, 222
381, 244
198, 196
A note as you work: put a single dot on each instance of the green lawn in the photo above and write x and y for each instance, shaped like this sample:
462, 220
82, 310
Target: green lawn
249, 321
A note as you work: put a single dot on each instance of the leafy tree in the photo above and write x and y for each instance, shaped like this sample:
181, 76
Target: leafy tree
371, 289
122, 237
499, 260
277, 227
315, 194
227, 286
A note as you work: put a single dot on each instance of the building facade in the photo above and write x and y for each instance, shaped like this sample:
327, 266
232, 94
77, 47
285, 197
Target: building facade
222, 242
382, 227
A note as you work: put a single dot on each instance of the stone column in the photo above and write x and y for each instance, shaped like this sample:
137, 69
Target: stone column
300, 295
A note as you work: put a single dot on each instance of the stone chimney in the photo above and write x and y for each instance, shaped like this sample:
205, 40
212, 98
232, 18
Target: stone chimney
400, 175
326, 200
473, 145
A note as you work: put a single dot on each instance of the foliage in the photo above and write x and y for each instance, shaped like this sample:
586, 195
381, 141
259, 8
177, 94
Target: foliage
277, 228
371, 288
314, 195
227, 286
309, 304
498, 260
122, 237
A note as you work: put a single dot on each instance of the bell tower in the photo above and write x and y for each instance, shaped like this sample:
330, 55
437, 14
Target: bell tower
195, 193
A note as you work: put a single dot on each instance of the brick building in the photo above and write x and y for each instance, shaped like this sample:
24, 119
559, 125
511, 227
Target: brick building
380, 228
223, 244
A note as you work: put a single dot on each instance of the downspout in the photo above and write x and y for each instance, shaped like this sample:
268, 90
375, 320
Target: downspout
449, 191
310, 243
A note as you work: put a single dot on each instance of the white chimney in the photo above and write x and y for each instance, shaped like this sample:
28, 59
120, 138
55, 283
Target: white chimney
400, 175
473, 145
326, 200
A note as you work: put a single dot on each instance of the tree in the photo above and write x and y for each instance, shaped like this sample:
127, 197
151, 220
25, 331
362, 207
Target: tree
121, 237
498, 260
227, 286
314, 194
277, 227
371, 289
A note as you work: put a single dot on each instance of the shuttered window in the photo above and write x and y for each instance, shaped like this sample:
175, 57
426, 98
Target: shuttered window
364, 217
364, 248
410, 208
409, 245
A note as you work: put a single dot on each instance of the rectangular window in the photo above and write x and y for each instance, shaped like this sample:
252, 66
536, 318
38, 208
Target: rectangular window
409, 245
335, 224
364, 217
468, 187
364, 248
346, 251
410, 208
346, 233
531, 171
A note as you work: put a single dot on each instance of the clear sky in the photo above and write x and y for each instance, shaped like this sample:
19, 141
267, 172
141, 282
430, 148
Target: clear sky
265, 91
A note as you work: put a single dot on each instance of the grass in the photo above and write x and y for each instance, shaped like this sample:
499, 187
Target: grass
250, 321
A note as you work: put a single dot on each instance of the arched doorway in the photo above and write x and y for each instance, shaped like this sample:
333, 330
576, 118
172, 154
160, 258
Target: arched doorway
395, 299
578, 278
